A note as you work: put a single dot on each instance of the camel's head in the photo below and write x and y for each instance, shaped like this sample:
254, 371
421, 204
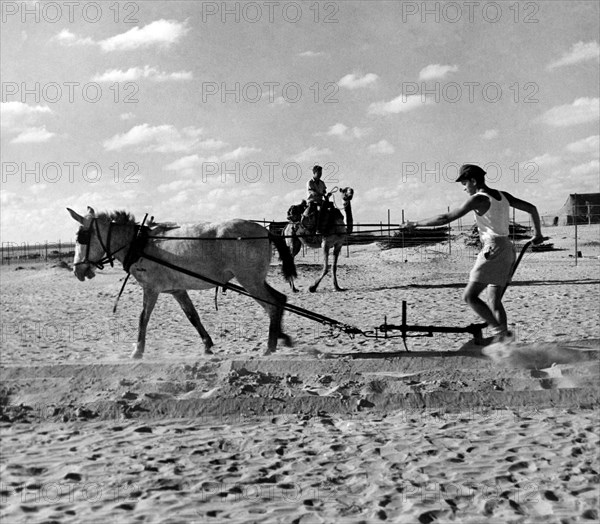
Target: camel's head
347, 193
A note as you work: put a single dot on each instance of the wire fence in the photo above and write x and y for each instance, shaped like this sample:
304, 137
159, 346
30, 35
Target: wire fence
458, 240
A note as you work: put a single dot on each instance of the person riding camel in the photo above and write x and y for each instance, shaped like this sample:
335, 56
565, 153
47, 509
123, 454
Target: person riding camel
317, 191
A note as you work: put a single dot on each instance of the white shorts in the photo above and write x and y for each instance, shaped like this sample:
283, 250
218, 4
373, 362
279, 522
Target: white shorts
494, 263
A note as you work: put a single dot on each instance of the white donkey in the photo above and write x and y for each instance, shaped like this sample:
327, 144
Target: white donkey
217, 251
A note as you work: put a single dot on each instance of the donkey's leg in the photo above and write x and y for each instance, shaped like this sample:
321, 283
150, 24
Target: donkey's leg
281, 301
150, 298
314, 287
336, 255
186, 304
273, 302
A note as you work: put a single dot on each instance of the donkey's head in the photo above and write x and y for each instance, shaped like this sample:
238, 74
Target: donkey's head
87, 244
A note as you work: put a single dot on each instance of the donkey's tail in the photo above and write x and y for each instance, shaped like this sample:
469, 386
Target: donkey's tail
288, 268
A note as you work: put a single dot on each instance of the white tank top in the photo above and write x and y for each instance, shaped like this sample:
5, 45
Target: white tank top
494, 222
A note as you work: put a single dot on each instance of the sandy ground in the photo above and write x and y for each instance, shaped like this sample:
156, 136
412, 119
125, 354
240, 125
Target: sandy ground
335, 429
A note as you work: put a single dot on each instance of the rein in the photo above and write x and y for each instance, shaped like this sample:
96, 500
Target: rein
84, 237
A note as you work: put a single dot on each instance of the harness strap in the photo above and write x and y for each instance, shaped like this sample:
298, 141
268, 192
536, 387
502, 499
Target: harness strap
311, 315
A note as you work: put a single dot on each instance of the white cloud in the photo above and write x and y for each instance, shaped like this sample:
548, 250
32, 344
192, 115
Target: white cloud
591, 145
8, 198
490, 134
136, 73
17, 115
160, 32
159, 139
67, 38
39, 189
580, 52
355, 81
382, 147
33, 135
546, 160
589, 168
311, 54
184, 163
344, 132
211, 144
189, 165
436, 71
238, 153
581, 111
400, 104
175, 185
312, 153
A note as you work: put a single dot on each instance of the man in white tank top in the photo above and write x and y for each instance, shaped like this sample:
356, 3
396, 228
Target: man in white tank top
494, 263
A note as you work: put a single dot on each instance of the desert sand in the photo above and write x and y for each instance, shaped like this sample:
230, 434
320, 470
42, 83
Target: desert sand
335, 429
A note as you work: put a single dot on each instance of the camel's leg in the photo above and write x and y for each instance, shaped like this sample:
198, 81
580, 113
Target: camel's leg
186, 304
273, 302
314, 287
294, 246
336, 255
150, 298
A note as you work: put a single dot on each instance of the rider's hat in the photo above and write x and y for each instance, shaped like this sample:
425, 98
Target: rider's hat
317, 168
468, 171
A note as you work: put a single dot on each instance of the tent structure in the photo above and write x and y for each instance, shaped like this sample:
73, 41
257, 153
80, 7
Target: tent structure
580, 208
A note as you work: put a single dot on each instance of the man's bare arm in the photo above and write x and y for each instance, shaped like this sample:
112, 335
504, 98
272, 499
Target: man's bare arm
528, 207
475, 202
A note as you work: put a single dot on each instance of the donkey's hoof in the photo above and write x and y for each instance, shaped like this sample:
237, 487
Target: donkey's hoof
312, 289
287, 340
136, 355
208, 351
269, 351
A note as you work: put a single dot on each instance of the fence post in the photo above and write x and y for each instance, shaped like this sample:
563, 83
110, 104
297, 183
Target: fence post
575, 220
449, 236
389, 230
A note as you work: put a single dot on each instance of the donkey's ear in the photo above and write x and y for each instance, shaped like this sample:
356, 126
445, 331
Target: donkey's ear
91, 211
77, 217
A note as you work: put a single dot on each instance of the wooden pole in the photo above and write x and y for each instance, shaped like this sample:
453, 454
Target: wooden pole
575, 220
389, 230
449, 236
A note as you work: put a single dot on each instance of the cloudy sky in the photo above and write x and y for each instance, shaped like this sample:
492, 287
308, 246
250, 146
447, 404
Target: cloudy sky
193, 111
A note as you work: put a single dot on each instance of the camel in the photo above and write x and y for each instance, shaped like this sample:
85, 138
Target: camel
296, 235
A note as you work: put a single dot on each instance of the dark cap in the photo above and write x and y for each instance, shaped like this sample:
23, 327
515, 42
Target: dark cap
470, 171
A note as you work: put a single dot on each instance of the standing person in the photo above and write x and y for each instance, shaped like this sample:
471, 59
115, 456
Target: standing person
316, 190
494, 263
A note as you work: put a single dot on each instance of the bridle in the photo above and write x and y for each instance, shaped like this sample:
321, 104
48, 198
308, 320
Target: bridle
84, 237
